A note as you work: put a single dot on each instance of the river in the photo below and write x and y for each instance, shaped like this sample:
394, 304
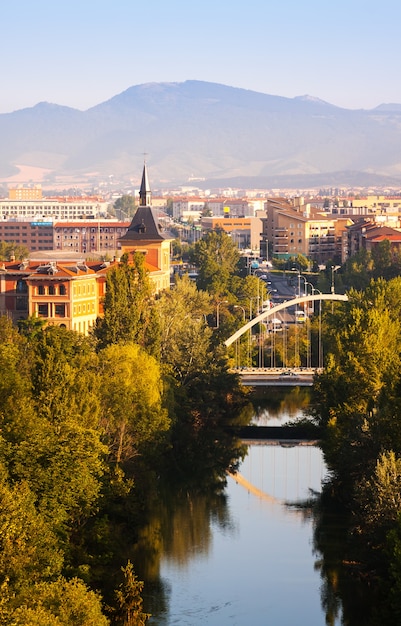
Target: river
245, 556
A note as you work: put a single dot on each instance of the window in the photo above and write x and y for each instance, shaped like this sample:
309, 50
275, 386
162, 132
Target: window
43, 310
21, 303
41, 290
52, 290
62, 290
21, 286
59, 310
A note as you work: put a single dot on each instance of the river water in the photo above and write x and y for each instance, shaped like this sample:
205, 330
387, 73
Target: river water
247, 557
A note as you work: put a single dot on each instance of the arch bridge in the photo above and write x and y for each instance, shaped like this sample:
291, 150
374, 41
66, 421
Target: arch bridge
286, 376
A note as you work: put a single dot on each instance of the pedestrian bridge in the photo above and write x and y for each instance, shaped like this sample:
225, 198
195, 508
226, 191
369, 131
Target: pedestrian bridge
280, 376
280, 307
277, 377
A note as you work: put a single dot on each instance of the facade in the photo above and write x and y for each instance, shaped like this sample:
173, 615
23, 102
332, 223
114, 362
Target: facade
292, 227
66, 294
245, 231
89, 236
80, 236
34, 234
365, 234
56, 208
145, 235
34, 192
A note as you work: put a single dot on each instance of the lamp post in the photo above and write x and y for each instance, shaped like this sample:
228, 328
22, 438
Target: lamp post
238, 306
333, 269
218, 312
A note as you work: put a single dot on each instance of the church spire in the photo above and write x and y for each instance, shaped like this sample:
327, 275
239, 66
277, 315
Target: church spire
145, 194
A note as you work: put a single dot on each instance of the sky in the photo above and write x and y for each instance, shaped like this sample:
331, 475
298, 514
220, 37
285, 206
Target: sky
79, 53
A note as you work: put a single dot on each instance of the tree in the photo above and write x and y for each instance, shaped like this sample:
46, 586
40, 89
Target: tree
131, 400
59, 603
184, 336
128, 611
216, 257
361, 375
8, 250
127, 311
125, 207
29, 551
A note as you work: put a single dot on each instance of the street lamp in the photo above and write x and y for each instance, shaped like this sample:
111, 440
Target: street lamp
218, 312
238, 306
333, 269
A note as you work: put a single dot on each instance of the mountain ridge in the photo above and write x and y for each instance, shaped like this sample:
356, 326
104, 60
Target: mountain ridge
204, 130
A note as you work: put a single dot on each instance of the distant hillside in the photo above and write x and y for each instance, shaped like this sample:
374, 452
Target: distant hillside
206, 130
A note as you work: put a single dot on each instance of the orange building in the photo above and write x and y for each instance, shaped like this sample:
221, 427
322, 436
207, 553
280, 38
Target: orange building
145, 235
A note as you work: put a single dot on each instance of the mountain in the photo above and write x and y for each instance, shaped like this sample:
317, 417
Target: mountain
206, 131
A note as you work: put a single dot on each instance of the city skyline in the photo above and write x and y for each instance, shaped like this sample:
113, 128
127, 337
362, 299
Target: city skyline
79, 54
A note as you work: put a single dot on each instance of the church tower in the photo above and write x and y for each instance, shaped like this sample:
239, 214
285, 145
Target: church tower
144, 235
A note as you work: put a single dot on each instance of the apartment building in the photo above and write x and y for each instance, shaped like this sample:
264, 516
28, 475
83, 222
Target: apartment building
81, 236
292, 227
365, 234
69, 208
89, 236
244, 231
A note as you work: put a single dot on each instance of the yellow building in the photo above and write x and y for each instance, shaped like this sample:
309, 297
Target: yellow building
65, 294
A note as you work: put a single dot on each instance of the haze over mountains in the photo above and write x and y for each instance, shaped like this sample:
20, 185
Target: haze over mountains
201, 130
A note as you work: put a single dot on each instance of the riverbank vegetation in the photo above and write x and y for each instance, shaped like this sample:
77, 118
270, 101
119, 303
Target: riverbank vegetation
90, 426
357, 402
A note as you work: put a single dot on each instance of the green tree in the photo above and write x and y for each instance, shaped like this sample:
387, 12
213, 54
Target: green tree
216, 257
131, 400
361, 374
127, 311
129, 611
184, 337
59, 603
125, 207
9, 250
29, 551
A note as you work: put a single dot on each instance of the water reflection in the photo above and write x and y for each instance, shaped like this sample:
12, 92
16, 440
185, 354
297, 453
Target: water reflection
273, 407
252, 554
237, 557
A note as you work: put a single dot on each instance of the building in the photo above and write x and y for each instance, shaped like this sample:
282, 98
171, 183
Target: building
65, 294
244, 231
34, 234
89, 236
66, 208
81, 236
33, 192
365, 234
292, 227
145, 235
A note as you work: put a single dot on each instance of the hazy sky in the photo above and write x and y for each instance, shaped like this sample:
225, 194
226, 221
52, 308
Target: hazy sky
79, 53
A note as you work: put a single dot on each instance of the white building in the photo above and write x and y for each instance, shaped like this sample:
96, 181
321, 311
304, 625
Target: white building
59, 209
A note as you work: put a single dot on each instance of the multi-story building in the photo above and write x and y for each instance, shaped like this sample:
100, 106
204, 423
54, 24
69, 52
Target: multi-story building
33, 192
292, 227
89, 236
365, 234
244, 231
81, 236
69, 208
66, 294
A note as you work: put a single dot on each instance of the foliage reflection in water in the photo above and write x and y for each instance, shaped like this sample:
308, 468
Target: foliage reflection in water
269, 553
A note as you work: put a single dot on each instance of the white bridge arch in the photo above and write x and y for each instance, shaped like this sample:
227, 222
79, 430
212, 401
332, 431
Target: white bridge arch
279, 307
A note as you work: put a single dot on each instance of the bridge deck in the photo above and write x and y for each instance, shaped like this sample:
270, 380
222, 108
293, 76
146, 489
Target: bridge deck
277, 377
